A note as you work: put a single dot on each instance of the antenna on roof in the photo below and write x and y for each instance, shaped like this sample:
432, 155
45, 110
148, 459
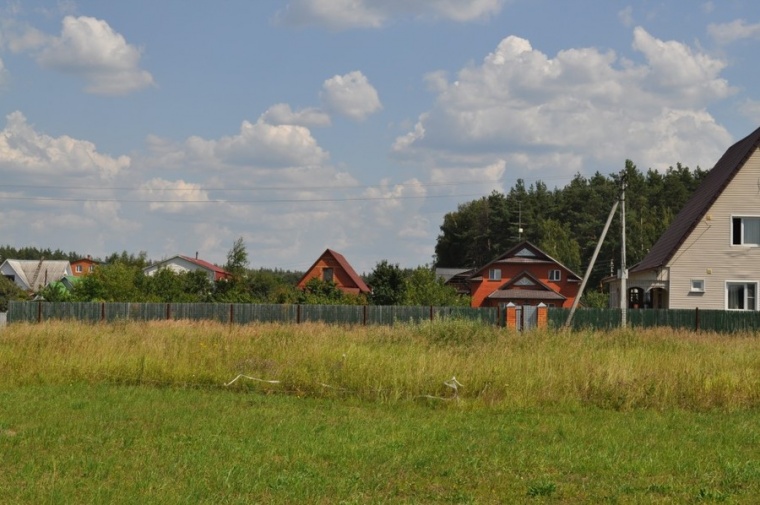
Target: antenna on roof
519, 222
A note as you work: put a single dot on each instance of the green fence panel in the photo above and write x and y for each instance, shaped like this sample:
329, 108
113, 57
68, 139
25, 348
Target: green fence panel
21, 312
332, 314
246, 313
200, 312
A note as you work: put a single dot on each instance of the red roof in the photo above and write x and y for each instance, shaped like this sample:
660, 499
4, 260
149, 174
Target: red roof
219, 272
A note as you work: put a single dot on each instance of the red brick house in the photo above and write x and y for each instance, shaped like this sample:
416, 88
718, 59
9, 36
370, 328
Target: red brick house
332, 266
524, 275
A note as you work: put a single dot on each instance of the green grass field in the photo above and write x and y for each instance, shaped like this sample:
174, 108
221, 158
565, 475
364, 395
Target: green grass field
140, 413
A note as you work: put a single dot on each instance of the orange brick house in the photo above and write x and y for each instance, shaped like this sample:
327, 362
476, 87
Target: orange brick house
332, 266
524, 275
83, 266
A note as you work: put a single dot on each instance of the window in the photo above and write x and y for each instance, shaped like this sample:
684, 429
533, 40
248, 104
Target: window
494, 274
92, 268
79, 269
741, 295
745, 231
327, 274
697, 286
555, 275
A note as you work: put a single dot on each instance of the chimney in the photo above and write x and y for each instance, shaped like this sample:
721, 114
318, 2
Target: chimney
196, 254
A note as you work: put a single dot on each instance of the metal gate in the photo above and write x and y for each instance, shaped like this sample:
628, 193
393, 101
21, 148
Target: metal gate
527, 317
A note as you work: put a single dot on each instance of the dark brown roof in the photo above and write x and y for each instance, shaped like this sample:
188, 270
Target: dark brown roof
705, 195
511, 257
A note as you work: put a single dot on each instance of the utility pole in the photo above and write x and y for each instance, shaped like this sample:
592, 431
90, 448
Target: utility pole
591, 264
623, 268
623, 272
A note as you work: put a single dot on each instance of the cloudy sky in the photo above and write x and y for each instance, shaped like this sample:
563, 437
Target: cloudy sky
175, 127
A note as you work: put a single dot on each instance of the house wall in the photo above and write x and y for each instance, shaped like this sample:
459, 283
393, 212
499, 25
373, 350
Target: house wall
708, 253
88, 266
179, 265
340, 276
481, 289
18, 277
644, 280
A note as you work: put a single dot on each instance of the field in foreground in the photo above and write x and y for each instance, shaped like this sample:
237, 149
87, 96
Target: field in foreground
139, 413
106, 444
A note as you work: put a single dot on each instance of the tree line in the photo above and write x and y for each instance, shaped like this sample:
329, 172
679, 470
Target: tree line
567, 222
121, 278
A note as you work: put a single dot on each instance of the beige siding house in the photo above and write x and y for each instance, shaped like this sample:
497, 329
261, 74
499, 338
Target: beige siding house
709, 257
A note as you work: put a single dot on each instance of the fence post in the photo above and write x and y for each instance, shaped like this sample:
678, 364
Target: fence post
298, 314
431, 312
510, 316
102, 311
542, 313
364, 316
168, 311
232, 313
696, 318
39, 312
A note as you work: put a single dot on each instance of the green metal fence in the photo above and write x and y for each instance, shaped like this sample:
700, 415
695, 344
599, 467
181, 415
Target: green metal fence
241, 313
721, 321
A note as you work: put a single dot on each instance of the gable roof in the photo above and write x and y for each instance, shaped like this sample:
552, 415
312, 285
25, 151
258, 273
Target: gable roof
523, 253
36, 274
525, 286
219, 272
695, 209
345, 265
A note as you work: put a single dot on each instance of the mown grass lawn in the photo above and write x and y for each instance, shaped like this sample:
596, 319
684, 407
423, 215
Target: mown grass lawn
124, 444
140, 414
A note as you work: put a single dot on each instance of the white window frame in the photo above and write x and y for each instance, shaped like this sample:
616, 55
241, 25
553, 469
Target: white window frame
697, 286
741, 242
79, 269
745, 283
494, 274
555, 275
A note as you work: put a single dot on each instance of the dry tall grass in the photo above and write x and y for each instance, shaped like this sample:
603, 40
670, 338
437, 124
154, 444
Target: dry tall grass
621, 370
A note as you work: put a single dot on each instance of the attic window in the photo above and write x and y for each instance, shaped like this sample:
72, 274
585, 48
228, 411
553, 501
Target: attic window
555, 275
745, 231
327, 274
494, 274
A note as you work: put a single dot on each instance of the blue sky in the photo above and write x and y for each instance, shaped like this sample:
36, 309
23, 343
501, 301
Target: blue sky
175, 127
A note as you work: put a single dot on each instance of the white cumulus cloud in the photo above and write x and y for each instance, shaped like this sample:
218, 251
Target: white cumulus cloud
91, 49
26, 153
582, 109
264, 145
173, 196
351, 95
